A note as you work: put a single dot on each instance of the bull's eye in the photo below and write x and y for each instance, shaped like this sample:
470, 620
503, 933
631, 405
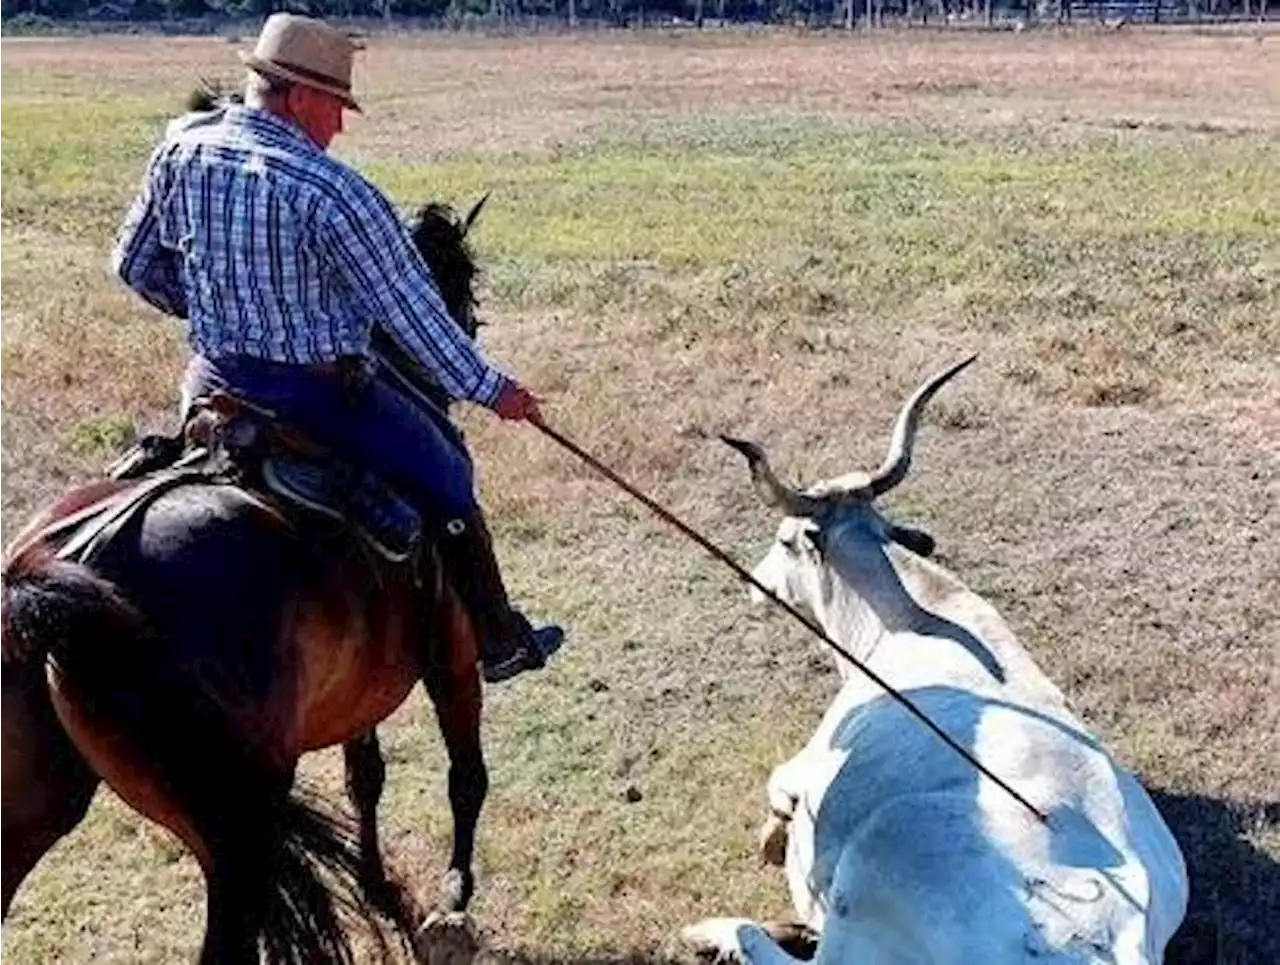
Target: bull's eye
808, 543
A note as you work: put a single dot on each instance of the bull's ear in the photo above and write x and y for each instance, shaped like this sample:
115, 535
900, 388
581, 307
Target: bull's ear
916, 540
474, 213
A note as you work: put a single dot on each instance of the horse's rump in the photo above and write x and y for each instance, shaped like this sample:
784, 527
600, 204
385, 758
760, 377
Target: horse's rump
275, 623
302, 625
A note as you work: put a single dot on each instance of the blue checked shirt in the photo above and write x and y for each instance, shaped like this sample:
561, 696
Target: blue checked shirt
271, 248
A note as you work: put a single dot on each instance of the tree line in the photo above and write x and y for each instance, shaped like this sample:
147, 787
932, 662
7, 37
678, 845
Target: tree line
213, 14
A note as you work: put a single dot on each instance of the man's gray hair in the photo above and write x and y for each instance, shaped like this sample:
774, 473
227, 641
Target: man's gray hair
258, 87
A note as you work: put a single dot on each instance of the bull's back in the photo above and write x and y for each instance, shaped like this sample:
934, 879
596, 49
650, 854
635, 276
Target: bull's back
935, 845
921, 882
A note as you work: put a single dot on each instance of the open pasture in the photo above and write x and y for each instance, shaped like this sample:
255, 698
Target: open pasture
777, 235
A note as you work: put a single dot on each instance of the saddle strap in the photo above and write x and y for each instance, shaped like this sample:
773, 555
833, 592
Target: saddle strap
66, 524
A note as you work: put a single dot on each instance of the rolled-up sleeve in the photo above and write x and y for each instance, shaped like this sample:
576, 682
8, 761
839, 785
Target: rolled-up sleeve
388, 277
139, 258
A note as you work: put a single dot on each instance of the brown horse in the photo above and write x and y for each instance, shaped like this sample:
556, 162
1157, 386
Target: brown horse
210, 642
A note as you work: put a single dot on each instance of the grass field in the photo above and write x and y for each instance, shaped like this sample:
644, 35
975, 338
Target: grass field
779, 235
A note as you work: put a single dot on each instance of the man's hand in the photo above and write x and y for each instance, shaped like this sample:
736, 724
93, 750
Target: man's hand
517, 403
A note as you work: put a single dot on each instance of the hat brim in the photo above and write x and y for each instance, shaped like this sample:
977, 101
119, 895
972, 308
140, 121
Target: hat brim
284, 72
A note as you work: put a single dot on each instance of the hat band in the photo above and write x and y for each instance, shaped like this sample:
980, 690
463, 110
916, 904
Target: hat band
313, 75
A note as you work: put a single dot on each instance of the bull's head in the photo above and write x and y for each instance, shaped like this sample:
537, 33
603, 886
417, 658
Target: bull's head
812, 513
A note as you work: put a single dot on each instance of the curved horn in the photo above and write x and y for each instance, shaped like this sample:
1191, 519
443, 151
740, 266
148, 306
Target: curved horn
771, 490
898, 461
474, 213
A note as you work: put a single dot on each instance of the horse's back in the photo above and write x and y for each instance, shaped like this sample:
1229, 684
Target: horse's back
209, 569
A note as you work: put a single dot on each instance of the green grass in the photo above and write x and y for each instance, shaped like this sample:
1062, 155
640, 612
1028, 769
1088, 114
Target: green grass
1128, 247
69, 166
914, 206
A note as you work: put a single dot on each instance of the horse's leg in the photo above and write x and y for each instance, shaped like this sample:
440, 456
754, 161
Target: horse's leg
454, 685
236, 882
47, 786
263, 850
180, 758
180, 766
366, 773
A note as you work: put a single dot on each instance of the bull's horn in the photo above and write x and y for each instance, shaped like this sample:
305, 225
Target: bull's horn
774, 492
474, 213
898, 461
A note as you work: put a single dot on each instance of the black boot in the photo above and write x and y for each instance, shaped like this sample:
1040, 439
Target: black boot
509, 644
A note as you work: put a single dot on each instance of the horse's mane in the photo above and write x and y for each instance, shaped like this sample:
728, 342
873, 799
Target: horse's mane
441, 239
209, 95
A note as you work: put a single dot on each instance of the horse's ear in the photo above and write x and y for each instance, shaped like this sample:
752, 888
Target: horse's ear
474, 213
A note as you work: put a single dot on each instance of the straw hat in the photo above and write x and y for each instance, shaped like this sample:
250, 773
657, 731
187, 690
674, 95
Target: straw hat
305, 51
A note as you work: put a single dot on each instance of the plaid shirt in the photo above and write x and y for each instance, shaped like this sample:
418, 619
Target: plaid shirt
273, 249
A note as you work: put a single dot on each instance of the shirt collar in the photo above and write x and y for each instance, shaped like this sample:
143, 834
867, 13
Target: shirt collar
256, 117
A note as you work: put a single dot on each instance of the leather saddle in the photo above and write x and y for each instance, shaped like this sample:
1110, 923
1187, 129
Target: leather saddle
232, 438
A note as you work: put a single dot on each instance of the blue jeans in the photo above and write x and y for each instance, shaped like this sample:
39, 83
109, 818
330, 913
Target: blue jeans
401, 439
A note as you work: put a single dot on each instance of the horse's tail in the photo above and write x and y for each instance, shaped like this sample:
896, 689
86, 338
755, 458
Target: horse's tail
316, 868
108, 654
47, 605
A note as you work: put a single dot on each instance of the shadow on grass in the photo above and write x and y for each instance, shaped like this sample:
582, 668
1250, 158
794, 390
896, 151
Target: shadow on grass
1234, 915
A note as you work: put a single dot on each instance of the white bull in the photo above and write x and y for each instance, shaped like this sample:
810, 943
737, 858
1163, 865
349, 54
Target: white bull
896, 849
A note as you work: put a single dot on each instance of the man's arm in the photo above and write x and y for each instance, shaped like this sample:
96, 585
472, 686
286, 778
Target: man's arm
385, 272
139, 259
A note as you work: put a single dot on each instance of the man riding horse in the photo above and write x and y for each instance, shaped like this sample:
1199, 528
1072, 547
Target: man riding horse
282, 259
